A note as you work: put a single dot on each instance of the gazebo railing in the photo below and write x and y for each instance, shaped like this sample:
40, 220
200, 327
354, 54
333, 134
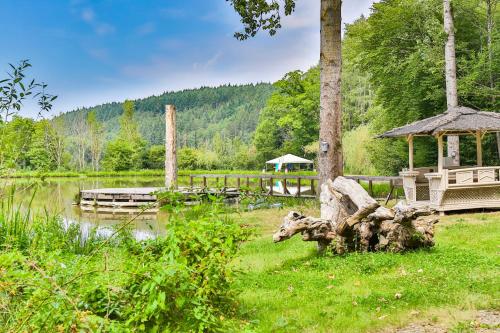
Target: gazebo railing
466, 188
478, 176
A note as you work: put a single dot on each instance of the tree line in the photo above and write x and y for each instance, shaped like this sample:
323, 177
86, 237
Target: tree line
393, 74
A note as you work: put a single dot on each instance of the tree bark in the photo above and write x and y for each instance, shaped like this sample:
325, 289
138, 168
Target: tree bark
490, 6
353, 221
170, 148
330, 161
453, 143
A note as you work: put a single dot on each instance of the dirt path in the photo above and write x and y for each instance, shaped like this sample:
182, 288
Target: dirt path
485, 321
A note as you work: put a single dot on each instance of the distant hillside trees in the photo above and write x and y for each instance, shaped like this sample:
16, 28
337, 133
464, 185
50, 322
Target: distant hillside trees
216, 124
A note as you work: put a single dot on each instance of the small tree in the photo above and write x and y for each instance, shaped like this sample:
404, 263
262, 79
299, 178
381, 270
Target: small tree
14, 90
128, 150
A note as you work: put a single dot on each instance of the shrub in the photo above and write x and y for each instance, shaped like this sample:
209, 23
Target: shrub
155, 158
187, 158
179, 282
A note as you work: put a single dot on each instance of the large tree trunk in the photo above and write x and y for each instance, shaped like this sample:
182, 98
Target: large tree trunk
330, 162
353, 221
453, 143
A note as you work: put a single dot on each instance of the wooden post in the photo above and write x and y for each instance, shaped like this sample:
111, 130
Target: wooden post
170, 148
204, 182
261, 184
285, 188
191, 181
440, 152
238, 184
410, 151
225, 182
370, 187
271, 186
479, 149
391, 189
313, 190
248, 182
298, 187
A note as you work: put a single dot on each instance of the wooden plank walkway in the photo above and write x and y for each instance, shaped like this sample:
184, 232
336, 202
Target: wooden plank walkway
264, 185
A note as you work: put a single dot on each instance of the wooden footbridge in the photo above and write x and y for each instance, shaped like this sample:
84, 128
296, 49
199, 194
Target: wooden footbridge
225, 185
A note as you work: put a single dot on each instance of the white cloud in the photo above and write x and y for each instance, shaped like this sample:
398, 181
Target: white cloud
101, 54
146, 29
170, 43
173, 13
89, 16
104, 29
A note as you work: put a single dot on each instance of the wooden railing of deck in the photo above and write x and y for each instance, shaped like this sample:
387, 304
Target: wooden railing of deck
306, 186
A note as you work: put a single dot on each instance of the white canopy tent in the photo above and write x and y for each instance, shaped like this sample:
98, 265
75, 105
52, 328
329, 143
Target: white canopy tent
288, 159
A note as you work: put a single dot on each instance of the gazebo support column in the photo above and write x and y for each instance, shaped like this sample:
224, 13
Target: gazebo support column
440, 152
479, 149
410, 176
410, 152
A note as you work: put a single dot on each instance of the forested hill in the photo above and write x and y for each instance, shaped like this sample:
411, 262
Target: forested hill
230, 110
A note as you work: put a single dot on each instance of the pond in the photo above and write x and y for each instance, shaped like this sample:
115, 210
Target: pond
57, 196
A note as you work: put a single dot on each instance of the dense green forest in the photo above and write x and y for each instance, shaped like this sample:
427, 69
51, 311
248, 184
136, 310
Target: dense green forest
393, 74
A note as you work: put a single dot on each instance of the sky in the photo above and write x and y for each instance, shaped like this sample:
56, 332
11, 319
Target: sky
95, 51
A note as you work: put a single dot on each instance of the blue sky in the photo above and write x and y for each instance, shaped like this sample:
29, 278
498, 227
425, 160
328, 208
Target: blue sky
91, 52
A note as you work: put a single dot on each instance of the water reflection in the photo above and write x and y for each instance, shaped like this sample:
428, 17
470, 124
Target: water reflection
57, 196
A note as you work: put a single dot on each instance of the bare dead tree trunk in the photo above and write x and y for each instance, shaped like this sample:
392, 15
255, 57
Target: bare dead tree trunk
80, 131
170, 148
490, 6
330, 162
451, 78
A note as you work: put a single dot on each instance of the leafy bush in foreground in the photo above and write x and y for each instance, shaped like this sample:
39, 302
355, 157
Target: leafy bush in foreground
178, 282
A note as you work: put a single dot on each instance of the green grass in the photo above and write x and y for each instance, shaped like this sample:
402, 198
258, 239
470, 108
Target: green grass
287, 287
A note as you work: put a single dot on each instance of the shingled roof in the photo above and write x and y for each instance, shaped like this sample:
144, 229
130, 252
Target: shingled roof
455, 120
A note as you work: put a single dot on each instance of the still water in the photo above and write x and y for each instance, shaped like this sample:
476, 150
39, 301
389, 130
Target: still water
58, 195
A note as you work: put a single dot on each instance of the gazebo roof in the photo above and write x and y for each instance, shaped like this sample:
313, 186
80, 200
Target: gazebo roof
289, 159
456, 120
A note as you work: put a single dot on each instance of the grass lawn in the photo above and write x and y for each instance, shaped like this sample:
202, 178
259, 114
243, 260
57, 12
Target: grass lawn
287, 287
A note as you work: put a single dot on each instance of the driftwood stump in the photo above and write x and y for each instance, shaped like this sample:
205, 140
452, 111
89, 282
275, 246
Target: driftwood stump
351, 220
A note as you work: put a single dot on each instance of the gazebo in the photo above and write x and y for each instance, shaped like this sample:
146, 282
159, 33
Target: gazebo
288, 160
444, 187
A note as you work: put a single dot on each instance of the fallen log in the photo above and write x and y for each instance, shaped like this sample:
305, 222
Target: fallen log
351, 220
